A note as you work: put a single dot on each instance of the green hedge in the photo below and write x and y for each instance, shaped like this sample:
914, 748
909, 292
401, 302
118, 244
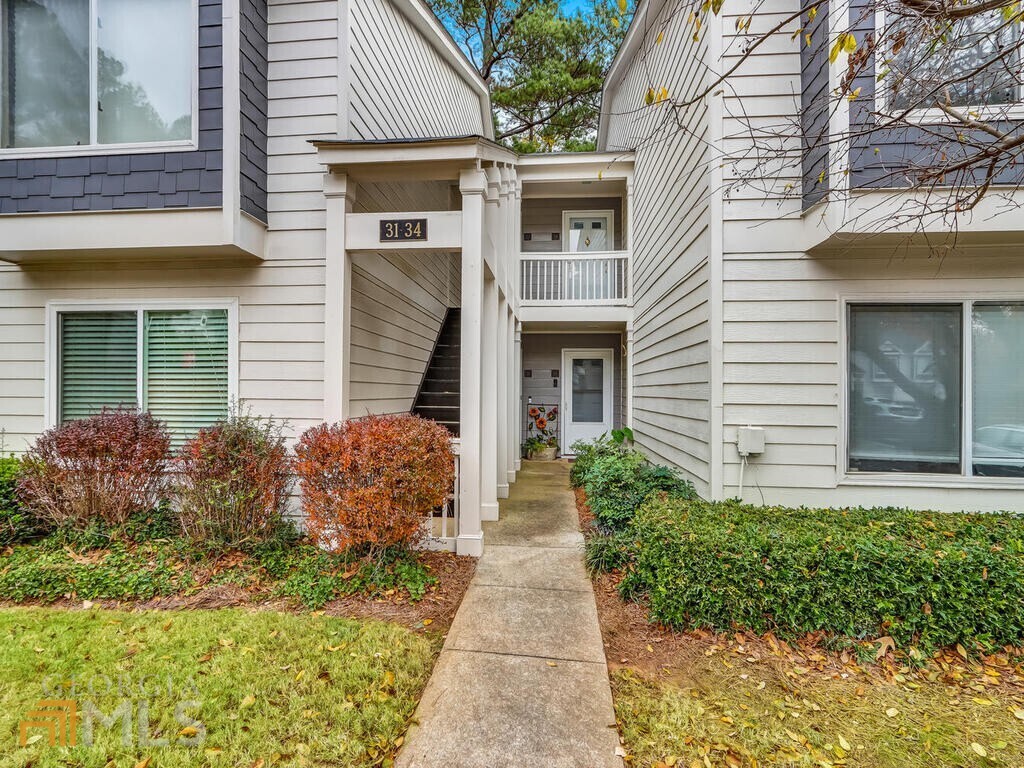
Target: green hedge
16, 523
934, 579
618, 480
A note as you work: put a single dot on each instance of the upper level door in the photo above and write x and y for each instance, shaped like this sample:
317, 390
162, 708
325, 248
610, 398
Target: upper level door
588, 231
586, 394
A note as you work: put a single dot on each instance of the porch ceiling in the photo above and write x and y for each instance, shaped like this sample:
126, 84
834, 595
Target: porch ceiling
568, 326
580, 188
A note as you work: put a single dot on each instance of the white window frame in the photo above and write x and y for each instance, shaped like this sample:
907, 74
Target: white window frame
95, 149
927, 479
140, 307
930, 116
594, 214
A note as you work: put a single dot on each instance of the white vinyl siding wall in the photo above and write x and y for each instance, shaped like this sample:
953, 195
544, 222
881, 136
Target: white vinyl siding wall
669, 226
784, 345
401, 87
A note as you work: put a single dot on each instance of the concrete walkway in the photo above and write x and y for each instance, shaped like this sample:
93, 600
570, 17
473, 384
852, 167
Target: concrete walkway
522, 679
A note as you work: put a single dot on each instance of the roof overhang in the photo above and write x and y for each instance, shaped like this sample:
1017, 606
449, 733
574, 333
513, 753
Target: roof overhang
901, 220
441, 158
131, 235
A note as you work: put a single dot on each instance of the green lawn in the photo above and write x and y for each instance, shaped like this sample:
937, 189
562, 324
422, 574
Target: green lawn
272, 688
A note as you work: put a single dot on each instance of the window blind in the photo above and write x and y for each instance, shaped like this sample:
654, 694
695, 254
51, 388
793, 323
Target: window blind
98, 362
185, 368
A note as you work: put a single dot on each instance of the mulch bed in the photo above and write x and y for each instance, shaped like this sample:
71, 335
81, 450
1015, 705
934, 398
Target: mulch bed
434, 613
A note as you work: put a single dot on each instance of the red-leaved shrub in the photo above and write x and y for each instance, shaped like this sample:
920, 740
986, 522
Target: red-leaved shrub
102, 468
232, 481
367, 484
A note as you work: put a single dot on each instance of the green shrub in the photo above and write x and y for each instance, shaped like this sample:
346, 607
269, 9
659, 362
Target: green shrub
604, 553
617, 484
16, 523
934, 579
587, 452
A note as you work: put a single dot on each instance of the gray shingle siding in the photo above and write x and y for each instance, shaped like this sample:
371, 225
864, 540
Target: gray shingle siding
814, 107
888, 157
153, 180
253, 71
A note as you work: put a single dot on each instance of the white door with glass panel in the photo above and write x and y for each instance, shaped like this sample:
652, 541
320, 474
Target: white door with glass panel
586, 394
588, 231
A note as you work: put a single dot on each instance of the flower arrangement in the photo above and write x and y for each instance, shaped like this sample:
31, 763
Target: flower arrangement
542, 430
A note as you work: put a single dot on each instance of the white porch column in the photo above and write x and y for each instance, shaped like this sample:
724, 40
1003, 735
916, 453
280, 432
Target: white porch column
501, 399
473, 185
489, 403
629, 374
511, 423
340, 194
518, 353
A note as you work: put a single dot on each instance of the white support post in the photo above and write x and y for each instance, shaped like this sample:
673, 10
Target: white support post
340, 193
501, 399
518, 353
473, 185
629, 374
507, 203
489, 403
512, 395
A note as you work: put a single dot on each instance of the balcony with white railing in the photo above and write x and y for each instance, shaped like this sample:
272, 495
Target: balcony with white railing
575, 279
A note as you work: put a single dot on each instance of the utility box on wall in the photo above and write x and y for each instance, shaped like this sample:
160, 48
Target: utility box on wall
750, 441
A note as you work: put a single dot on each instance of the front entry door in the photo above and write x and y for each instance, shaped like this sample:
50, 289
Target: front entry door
586, 394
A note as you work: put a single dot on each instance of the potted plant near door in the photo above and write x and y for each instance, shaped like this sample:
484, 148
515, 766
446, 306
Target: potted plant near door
542, 434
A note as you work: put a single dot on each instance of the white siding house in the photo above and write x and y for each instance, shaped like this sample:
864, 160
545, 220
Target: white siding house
752, 328
636, 285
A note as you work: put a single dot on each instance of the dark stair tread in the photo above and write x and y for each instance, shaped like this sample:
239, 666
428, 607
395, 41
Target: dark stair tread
438, 396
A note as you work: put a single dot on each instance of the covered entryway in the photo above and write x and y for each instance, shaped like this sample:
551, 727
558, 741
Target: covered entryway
586, 394
579, 376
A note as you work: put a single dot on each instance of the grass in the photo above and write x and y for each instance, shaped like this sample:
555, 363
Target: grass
756, 714
272, 688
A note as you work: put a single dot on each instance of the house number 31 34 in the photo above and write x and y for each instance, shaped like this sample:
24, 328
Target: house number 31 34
403, 229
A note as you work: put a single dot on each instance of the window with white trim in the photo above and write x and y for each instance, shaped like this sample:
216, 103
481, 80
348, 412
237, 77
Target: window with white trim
936, 388
170, 362
970, 62
96, 72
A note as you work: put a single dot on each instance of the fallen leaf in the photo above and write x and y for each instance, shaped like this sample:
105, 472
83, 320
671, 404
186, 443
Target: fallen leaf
427, 622
1019, 714
33, 739
979, 750
892, 712
188, 731
248, 701
552, 664
885, 644
143, 763
844, 744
